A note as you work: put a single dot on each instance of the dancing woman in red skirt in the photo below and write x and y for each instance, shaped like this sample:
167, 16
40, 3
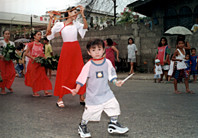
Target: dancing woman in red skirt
35, 76
6, 67
71, 61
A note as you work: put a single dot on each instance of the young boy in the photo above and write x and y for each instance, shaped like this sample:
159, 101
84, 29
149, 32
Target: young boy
179, 57
157, 71
99, 96
48, 53
188, 65
193, 59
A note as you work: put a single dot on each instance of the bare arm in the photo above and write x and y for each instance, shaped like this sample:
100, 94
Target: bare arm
83, 16
48, 31
27, 53
117, 52
187, 46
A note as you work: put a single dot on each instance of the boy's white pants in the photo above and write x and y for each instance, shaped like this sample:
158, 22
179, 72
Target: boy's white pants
93, 112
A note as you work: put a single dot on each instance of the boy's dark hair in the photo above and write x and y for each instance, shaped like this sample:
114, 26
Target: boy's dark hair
95, 42
193, 49
45, 38
180, 40
70, 8
130, 38
109, 41
160, 43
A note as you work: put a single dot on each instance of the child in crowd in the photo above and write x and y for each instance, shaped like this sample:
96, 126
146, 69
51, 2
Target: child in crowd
110, 49
19, 65
163, 53
188, 65
132, 51
157, 70
48, 53
35, 76
179, 57
193, 59
99, 96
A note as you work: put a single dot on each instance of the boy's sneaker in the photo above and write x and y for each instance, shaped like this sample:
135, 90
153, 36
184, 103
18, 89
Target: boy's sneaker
117, 128
83, 132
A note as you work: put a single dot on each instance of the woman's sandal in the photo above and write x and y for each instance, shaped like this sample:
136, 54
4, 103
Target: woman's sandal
35, 95
3, 92
178, 92
60, 104
11, 90
190, 92
48, 94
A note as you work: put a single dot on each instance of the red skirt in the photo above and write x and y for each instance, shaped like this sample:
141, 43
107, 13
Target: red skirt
69, 67
7, 73
36, 77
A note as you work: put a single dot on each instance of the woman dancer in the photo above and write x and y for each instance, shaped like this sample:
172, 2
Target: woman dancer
6, 67
71, 61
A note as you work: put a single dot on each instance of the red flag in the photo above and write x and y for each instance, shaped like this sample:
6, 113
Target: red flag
41, 18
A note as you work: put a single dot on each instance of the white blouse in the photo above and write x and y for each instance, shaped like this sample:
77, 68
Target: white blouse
69, 33
4, 44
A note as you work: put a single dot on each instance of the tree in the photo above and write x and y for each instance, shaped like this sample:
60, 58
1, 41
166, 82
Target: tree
102, 5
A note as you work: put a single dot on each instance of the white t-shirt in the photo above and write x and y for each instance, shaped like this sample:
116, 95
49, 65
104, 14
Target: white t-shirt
96, 77
131, 51
158, 70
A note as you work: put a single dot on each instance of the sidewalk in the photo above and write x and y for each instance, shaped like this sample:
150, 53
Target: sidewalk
136, 76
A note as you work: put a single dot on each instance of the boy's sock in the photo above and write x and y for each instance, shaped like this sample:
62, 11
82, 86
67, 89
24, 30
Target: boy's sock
114, 119
84, 122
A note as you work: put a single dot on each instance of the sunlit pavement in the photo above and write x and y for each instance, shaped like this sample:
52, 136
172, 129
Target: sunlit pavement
149, 110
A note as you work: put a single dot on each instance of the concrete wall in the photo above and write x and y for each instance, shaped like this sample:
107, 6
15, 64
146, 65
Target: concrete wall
146, 40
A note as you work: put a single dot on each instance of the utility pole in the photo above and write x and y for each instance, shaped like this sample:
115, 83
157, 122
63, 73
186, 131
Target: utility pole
31, 24
115, 6
11, 24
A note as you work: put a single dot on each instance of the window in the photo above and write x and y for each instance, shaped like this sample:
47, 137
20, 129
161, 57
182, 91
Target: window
170, 18
185, 17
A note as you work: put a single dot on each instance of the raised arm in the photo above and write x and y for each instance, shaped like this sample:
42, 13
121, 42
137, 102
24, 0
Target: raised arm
187, 46
48, 31
83, 16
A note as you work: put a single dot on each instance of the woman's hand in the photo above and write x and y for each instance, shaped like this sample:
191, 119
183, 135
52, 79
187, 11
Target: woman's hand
33, 58
82, 10
51, 15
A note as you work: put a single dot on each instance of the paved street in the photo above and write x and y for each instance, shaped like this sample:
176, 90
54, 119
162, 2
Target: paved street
150, 110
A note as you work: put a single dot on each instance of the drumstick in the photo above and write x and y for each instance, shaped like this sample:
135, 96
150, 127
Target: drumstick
127, 77
68, 89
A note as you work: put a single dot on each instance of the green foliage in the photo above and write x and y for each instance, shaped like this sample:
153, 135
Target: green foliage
50, 62
128, 16
9, 53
